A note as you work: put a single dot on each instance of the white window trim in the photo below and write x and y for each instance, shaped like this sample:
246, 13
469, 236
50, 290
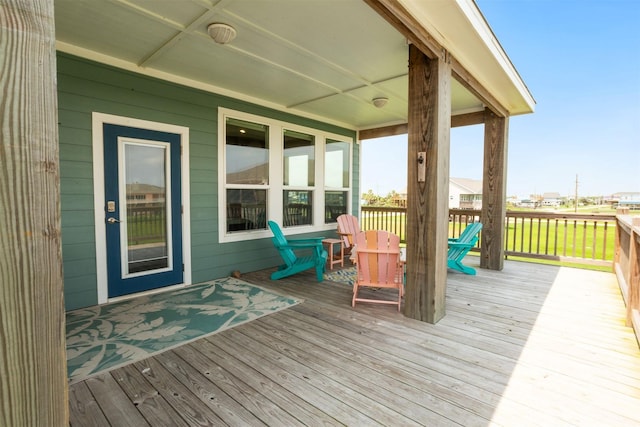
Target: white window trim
275, 187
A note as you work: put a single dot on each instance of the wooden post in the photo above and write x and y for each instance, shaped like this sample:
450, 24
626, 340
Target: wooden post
494, 191
633, 282
33, 374
428, 197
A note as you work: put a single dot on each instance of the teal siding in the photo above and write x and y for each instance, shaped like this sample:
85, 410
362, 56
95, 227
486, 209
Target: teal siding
85, 87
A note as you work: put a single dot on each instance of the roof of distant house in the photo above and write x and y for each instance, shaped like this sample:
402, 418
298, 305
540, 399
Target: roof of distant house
474, 186
548, 196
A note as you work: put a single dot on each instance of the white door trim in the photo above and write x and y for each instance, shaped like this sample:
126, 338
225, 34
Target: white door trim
98, 120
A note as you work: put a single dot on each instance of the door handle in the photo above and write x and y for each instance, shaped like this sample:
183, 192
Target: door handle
112, 220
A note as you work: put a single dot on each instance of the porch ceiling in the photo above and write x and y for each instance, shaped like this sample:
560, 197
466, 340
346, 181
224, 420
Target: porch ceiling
320, 59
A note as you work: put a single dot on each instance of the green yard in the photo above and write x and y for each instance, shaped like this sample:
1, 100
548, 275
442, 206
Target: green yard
586, 239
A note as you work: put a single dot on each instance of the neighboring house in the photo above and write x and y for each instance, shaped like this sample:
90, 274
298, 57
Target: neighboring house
144, 194
551, 199
629, 200
465, 193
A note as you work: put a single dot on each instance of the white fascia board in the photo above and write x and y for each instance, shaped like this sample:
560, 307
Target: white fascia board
460, 27
489, 39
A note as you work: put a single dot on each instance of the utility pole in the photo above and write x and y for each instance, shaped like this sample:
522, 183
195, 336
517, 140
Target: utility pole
576, 196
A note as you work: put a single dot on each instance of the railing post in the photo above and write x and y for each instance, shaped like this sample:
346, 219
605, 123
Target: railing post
633, 279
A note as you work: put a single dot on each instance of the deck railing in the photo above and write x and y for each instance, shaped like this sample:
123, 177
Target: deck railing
393, 220
577, 238
627, 267
568, 237
581, 239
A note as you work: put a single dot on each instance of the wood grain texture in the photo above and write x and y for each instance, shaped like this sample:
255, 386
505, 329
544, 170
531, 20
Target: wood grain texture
458, 120
531, 345
33, 387
427, 202
494, 189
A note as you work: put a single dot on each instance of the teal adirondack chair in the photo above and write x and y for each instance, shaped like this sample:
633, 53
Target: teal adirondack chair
458, 248
292, 263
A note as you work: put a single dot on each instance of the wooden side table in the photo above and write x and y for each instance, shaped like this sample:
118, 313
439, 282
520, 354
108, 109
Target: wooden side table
330, 260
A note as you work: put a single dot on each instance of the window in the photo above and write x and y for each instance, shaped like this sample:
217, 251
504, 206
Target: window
271, 170
336, 179
247, 175
298, 178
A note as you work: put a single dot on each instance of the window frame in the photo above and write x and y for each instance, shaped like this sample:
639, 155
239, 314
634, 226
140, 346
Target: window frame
275, 187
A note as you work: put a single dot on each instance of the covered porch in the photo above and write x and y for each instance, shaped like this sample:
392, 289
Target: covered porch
529, 345
76, 69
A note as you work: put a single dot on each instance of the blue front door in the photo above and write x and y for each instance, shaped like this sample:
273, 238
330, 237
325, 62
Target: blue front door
142, 209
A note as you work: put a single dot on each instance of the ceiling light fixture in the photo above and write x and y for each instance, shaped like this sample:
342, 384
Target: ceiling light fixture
380, 101
221, 33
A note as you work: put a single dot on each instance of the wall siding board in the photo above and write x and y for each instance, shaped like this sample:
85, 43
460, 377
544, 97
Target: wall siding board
80, 267
85, 87
202, 151
71, 152
78, 186
77, 218
75, 169
108, 102
72, 235
78, 251
77, 299
69, 119
75, 202
78, 284
205, 189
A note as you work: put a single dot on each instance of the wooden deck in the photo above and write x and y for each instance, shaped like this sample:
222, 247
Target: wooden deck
532, 345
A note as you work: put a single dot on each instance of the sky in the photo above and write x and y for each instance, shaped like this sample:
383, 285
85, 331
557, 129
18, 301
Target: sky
580, 60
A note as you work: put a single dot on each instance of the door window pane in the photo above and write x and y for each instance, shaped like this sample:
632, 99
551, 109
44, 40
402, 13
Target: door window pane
299, 159
247, 152
146, 208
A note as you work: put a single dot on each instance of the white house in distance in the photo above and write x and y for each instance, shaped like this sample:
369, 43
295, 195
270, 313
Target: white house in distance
465, 193
551, 199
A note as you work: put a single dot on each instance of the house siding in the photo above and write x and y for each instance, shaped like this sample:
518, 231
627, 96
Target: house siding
85, 87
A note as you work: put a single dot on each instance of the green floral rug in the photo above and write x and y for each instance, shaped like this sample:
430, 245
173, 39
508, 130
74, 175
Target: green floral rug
102, 338
346, 276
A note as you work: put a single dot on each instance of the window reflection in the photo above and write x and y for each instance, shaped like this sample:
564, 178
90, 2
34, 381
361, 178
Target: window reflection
146, 207
335, 204
247, 152
298, 208
246, 209
299, 159
336, 164
336, 179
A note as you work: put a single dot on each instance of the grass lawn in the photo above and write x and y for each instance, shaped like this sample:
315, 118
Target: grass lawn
581, 239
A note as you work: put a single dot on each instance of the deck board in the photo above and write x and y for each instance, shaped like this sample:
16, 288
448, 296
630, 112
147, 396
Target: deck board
531, 345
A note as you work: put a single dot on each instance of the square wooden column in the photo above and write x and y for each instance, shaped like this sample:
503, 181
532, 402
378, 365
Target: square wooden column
33, 365
428, 193
494, 183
